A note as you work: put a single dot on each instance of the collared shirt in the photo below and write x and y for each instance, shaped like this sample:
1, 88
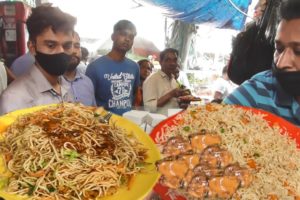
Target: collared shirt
82, 89
264, 92
156, 86
32, 89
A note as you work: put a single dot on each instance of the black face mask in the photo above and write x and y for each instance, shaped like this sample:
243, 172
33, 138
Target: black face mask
54, 64
289, 81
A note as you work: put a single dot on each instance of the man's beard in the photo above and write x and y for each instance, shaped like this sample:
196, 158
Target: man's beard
73, 63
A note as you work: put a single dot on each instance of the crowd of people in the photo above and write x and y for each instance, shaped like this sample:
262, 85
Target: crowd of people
55, 69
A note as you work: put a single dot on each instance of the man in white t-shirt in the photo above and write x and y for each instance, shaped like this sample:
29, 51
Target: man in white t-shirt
222, 87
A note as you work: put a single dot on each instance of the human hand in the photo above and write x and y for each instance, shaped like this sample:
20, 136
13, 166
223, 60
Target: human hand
177, 92
189, 98
185, 100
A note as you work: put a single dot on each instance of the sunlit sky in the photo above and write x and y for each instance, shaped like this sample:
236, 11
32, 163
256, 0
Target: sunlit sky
95, 18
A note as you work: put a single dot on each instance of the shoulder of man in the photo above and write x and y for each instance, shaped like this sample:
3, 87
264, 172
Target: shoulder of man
86, 78
131, 62
12, 98
153, 77
251, 90
95, 66
265, 76
97, 61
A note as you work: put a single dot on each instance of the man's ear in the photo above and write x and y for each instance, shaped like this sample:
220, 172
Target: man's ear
113, 36
32, 47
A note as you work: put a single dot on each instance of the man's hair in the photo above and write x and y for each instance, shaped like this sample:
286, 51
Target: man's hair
75, 34
225, 69
84, 52
290, 9
140, 62
166, 51
45, 16
123, 25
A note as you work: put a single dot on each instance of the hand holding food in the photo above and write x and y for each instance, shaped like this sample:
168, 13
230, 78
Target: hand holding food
188, 98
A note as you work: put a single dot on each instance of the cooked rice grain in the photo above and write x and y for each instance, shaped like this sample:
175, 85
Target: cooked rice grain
248, 137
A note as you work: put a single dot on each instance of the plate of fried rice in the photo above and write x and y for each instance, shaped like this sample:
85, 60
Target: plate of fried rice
258, 141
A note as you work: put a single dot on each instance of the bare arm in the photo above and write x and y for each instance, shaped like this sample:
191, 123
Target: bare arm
167, 97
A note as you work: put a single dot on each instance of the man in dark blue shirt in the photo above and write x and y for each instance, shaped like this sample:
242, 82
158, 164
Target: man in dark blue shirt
115, 77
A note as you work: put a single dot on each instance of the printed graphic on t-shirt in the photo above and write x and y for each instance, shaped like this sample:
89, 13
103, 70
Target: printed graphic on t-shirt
121, 89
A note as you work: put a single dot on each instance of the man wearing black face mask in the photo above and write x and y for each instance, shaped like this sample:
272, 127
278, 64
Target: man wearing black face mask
81, 86
278, 90
50, 42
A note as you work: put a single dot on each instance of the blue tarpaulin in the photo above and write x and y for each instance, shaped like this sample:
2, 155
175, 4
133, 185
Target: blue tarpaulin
220, 13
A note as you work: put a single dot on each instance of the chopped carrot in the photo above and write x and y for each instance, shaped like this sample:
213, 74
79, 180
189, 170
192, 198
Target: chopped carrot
193, 113
276, 125
292, 166
8, 156
180, 122
272, 197
236, 197
130, 182
38, 173
291, 191
121, 168
245, 120
251, 163
297, 197
210, 107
